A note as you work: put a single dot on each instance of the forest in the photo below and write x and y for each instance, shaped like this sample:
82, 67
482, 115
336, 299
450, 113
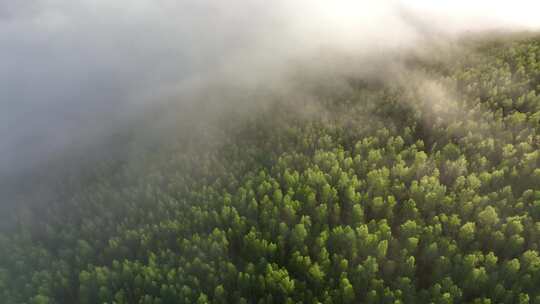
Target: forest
418, 188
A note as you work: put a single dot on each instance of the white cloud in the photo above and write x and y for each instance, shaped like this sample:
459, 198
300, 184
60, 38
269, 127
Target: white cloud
72, 66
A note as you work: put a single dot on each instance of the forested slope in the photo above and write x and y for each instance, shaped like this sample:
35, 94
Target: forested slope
425, 189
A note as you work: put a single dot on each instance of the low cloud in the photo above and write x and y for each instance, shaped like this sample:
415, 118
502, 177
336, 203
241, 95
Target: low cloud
70, 71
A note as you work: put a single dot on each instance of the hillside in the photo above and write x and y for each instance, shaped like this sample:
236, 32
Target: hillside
424, 188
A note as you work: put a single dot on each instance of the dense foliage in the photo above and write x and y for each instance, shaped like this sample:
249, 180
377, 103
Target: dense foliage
422, 191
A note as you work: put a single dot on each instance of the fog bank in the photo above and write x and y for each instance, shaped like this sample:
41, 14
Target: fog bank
72, 71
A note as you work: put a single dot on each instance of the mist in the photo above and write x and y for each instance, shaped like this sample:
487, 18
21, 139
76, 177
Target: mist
74, 71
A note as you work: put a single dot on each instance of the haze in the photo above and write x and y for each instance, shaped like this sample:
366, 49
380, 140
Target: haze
70, 71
